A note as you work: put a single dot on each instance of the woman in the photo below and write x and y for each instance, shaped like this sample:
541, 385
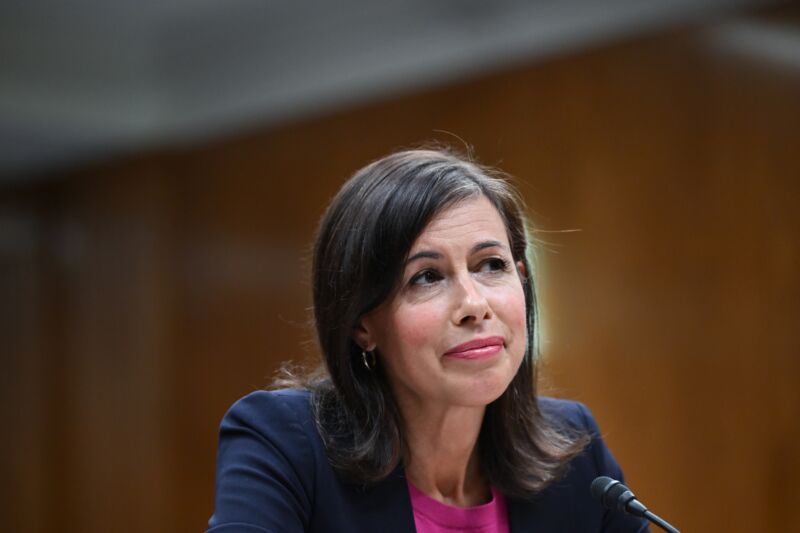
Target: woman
424, 416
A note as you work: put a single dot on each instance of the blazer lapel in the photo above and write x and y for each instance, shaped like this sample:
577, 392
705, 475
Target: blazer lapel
550, 511
386, 506
526, 517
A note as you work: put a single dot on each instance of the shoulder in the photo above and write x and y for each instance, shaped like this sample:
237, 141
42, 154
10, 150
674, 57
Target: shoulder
263, 408
569, 413
266, 463
570, 497
283, 419
575, 417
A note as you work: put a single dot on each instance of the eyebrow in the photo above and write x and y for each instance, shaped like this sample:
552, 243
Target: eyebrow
428, 254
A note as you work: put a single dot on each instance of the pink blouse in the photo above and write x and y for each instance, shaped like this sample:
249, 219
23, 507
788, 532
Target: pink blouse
432, 516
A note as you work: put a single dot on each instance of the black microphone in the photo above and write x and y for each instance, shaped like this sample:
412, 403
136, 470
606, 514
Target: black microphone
614, 495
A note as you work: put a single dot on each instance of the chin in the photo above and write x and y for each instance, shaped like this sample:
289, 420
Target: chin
480, 393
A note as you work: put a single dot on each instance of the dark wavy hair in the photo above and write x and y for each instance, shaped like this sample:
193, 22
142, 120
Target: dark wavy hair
363, 240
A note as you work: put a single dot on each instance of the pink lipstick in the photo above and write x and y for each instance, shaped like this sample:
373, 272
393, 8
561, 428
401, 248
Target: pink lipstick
477, 348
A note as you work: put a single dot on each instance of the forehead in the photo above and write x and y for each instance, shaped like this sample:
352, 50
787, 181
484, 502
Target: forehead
470, 220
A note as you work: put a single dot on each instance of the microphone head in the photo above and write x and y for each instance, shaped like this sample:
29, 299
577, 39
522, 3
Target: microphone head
614, 495
600, 487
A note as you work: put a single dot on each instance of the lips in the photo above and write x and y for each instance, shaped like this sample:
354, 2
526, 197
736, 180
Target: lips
477, 348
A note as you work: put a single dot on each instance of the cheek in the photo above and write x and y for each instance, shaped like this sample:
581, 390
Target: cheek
519, 315
417, 328
514, 314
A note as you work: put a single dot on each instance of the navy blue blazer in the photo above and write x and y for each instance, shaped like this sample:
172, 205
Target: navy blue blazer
273, 476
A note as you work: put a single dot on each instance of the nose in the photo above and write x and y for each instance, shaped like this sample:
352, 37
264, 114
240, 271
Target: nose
470, 303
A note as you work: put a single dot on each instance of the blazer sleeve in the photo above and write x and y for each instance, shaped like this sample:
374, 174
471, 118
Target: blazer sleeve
265, 467
613, 521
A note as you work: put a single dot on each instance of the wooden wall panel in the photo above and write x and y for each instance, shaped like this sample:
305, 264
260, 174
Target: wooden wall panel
154, 291
110, 243
23, 388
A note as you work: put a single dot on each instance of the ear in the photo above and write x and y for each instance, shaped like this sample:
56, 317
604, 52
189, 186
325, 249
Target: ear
362, 335
522, 271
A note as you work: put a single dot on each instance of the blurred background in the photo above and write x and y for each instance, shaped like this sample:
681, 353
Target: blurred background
164, 163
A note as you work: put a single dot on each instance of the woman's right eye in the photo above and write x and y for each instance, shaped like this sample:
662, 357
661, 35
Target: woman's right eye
426, 277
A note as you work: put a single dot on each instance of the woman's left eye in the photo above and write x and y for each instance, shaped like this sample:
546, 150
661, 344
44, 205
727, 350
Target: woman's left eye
494, 264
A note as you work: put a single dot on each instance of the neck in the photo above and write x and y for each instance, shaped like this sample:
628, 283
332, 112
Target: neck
442, 455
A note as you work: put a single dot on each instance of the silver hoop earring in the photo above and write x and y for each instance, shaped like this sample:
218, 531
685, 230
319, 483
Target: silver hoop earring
369, 359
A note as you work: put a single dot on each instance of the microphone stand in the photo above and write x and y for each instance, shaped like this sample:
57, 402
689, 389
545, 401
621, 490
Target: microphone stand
660, 522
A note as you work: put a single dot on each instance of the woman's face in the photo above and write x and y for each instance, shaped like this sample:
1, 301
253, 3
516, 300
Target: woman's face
454, 332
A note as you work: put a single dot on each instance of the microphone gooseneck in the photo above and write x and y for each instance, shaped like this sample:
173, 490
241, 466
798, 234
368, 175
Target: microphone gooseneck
614, 495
